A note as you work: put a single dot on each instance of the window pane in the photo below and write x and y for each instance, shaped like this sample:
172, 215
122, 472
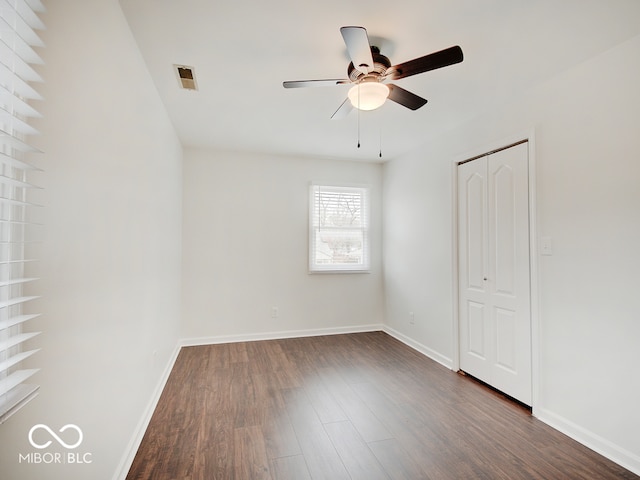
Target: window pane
338, 236
339, 247
340, 209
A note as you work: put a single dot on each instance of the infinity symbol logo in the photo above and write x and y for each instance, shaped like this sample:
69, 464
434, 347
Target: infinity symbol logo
53, 434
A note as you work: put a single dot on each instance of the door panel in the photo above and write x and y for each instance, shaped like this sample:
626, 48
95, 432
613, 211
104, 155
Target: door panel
505, 339
476, 330
508, 215
494, 288
502, 213
476, 224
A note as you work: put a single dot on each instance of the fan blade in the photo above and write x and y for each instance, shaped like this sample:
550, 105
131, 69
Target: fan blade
443, 58
315, 83
358, 47
343, 110
405, 97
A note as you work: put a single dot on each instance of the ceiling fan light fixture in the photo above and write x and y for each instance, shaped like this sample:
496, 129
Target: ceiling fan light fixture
368, 95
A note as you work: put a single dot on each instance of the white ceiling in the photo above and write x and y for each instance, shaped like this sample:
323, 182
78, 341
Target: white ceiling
242, 51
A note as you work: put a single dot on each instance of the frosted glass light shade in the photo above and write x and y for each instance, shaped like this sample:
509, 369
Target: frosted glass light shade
368, 95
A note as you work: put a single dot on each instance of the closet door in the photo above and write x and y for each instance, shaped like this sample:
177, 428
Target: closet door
494, 290
473, 257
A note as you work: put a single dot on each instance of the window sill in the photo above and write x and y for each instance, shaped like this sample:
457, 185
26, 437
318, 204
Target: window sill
324, 272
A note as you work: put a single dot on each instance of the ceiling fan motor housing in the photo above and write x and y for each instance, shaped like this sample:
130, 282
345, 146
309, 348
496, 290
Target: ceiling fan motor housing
380, 66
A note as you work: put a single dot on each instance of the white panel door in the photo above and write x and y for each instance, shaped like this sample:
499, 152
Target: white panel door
494, 290
473, 256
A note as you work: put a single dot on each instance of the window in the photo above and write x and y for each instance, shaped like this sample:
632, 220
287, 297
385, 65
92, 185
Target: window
18, 23
338, 229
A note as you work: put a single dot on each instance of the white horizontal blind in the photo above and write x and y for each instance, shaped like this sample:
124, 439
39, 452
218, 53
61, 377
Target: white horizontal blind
338, 229
19, 22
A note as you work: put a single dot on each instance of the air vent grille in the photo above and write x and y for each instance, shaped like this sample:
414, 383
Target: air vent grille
186, 77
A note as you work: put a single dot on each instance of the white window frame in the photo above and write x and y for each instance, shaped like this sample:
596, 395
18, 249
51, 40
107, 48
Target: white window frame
354, 262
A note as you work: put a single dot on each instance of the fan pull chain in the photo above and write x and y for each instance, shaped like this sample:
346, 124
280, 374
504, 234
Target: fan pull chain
358, 128
358, 115
380, 154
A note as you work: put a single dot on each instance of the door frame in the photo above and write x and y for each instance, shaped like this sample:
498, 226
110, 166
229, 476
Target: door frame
529, 137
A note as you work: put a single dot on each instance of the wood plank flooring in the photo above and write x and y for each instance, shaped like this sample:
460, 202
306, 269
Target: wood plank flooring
359, 406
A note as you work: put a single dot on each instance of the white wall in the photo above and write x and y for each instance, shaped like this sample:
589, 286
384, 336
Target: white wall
110, 264
111, 269
588, 197
245, 249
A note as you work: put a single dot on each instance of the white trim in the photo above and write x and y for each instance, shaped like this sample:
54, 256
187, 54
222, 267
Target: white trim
420, 348
598, 444
253, 337
141, 428
529, 137
364, 193
534, 259
455, 364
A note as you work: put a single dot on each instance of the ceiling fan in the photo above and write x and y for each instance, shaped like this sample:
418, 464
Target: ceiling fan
369, 71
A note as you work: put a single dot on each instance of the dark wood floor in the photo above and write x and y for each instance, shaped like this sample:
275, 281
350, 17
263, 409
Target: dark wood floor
359, 406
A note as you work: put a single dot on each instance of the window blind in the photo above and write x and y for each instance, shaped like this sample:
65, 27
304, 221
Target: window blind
338, 229
19, 23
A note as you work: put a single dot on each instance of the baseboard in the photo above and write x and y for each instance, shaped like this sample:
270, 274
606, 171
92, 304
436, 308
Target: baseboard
423, 349
141, 428
252, 337
136, 440
596, 443
604, 447
581, 435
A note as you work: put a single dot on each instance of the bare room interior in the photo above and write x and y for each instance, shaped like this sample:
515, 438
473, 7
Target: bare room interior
181, 165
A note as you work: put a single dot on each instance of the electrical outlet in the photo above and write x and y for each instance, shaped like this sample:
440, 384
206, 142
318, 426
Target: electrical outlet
412, 318
274, 312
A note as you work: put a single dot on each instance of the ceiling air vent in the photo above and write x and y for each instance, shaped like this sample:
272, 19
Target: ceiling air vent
186, 76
